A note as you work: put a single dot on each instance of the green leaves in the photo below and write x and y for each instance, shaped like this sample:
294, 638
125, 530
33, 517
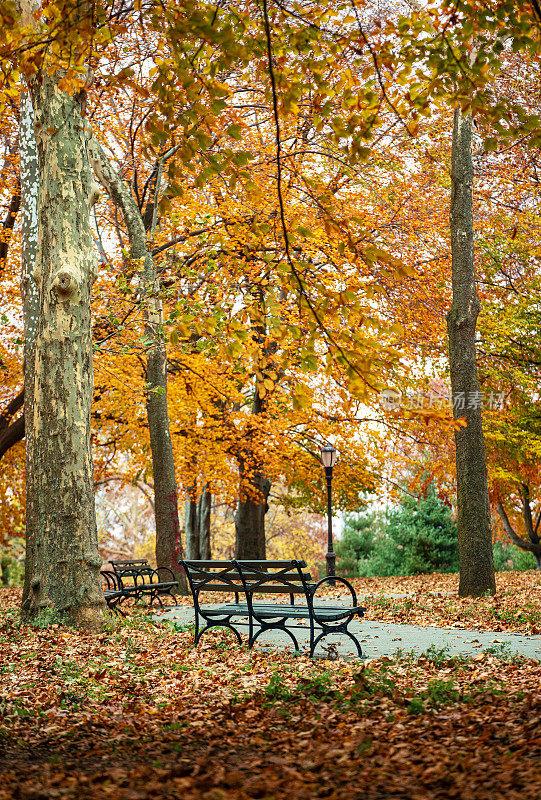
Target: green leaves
234, 131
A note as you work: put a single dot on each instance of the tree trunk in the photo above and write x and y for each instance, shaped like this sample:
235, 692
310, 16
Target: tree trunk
197, 526
168, 535
204, 513
63, 562
29, 239
11, 431
474, 533
250, 516
191, 530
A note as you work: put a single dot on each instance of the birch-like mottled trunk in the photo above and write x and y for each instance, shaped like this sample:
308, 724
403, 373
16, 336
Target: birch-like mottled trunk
28, 156
197, 526
63, 562
168, 534
474, 532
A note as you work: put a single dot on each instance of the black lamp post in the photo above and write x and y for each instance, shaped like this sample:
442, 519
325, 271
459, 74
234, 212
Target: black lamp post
328, 459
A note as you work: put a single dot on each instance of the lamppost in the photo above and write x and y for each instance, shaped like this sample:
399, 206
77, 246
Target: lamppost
328, 459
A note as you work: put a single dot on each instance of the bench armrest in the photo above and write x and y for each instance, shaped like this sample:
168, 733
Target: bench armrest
165, 575
336, 579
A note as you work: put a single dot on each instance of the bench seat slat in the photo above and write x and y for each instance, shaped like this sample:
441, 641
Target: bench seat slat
225, 580
250, 577
281, 609
227, 563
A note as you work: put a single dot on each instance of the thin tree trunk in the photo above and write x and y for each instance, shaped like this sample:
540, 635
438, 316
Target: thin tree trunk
474, 533
204, 514
168, 535
64, 563
254, 486
191, 529
29, 240
197, 525
11, 431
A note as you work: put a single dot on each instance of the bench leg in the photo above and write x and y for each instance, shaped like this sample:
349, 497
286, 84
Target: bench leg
325, 632
154, 595
280, 626
220, 623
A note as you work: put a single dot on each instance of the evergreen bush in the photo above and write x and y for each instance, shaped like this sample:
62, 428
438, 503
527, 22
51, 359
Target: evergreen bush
509, 556
417, 537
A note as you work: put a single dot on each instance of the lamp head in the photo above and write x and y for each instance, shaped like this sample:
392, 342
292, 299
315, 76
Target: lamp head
329, 456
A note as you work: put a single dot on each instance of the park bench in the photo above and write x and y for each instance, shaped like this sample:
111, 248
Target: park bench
250, 579
114, 592
147, 581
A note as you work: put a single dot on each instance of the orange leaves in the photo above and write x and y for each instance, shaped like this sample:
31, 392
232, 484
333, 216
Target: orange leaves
138, 711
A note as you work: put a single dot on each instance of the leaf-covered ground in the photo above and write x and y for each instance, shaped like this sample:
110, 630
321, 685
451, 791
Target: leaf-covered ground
136, 712
433, 600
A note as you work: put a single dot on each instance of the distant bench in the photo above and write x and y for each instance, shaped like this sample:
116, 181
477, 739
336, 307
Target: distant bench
252, 578
147, 581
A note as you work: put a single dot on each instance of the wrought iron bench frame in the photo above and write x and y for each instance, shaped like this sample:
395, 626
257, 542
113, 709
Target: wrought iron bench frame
114, 591
267, 577
146, 579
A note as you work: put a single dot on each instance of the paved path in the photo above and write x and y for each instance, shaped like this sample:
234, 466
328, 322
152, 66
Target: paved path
384, 639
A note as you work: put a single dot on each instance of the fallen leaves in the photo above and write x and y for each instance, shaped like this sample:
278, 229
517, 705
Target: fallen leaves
137, 712
433, 600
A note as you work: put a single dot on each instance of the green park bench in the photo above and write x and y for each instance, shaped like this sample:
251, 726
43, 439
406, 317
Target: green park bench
248, 580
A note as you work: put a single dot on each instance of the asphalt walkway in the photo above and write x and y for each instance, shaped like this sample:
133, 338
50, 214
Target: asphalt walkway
384, 639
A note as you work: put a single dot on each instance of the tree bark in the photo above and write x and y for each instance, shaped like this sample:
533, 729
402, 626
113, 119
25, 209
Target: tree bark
250, 515
204, 513
168, 535
63, 564
29, 171
197, 526
191, 530
474, 532
8, 224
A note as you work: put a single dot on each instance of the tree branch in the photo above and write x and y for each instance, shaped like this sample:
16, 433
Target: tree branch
531, 546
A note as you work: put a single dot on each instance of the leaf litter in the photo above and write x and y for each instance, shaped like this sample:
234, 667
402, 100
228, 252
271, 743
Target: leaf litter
137, 712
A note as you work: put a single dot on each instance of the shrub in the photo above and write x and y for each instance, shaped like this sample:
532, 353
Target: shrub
509, 556
12, 562
357, 543
417, 537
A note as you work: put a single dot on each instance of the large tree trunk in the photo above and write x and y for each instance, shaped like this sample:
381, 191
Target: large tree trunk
474, 533
168, 535
63, 562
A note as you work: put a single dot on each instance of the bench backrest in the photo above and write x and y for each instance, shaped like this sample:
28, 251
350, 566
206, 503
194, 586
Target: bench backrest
212, 576
132, 568
274, 577
248, 577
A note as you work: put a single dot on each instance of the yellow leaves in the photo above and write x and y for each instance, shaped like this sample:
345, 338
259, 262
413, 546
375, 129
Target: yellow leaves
302, 397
